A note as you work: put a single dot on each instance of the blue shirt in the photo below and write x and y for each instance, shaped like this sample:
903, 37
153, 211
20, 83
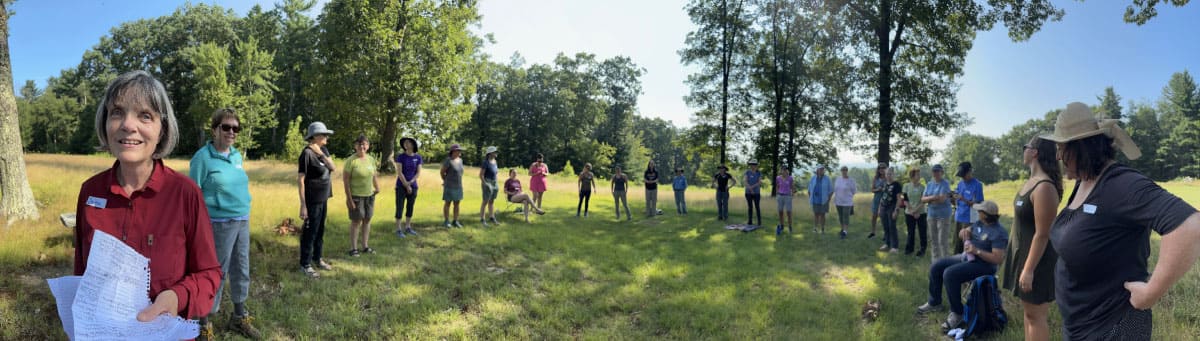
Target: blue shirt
971, 190
223, 182
819, 189
490, 169
936, 210
988, 237
753, 177
680, 183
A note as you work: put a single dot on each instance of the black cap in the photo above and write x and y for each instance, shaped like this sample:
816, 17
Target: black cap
963, 169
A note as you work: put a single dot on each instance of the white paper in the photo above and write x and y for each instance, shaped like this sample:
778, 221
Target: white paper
107, 299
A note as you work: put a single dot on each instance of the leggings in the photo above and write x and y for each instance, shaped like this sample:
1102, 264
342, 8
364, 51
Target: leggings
405, 200
920, 225
753, 206
585, 198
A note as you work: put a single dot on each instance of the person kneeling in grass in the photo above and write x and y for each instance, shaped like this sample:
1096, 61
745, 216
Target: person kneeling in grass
512, 188
984, 249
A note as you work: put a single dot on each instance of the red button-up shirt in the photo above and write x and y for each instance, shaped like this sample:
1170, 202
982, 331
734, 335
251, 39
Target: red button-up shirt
165, 221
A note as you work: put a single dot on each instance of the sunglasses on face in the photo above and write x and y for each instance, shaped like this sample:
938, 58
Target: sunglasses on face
231, 128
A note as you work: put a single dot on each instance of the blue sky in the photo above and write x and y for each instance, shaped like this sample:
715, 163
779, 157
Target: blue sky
1005, 83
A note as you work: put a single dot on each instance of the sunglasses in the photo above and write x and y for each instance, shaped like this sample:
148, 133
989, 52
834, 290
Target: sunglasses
1024, 147
230, 128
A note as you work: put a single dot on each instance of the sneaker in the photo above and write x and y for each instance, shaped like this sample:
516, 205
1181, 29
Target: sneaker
368, 250
458, 224
925, 308
353, 253
585, 214
842, 234
411, 231
540, 212
952, 321
921, 254
324, 266
577, 214
400, 233
495, 221
244, 326
310, 272
789, 228
778, 230
872, 235
447, 224
893, 250
883, 247
206, 330
483, 222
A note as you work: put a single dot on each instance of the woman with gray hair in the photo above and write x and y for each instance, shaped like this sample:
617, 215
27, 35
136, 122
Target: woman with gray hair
140, 198
315, 190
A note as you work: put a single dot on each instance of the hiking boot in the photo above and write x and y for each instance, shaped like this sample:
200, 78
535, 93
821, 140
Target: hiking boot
206, 330
242, 325
952, 321
925, 308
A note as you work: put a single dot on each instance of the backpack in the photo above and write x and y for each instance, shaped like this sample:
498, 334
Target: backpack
984, 311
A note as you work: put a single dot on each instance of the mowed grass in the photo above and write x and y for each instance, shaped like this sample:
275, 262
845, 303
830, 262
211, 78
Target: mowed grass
559, 277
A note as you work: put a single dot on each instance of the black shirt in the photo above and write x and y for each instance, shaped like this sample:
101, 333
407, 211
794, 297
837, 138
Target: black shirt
723, 182
651, 178
317, 187
888, 202
1105, 243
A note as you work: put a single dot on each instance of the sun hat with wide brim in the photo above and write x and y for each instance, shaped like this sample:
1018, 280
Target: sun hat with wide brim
455, 147
317, 128
1078, 122
489, 150
988, 207
414, 142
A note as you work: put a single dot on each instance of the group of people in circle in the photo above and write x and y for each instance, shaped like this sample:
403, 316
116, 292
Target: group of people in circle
1090, 257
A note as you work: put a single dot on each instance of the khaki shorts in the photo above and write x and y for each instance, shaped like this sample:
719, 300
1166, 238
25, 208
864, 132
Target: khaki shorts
364, 208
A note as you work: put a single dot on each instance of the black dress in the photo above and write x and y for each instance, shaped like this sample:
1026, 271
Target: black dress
1024, 227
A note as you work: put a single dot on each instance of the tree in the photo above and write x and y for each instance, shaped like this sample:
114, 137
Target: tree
254, 84
719, 44
1142, 11
1146, 131
293, 61
980, 150
1180, 110
912, 52
16, 198
1110, 105
1011, 145
211, 69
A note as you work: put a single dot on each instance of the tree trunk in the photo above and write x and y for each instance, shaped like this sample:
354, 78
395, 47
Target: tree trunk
778, 87
16, 198
882, 32
725, 56
391, 119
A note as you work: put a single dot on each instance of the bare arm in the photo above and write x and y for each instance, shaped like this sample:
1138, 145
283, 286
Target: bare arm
303, 208
1177, 254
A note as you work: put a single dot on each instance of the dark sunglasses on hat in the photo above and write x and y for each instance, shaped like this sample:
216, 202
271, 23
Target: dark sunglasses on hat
231, 128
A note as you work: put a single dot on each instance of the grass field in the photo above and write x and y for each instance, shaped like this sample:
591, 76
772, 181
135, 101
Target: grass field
559, 277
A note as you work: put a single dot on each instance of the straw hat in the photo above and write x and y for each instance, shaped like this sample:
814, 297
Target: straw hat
1078, 122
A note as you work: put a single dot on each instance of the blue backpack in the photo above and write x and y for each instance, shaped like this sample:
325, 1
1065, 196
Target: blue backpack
984, 311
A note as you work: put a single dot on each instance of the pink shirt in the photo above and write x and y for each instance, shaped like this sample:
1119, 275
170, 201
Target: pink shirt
783, 185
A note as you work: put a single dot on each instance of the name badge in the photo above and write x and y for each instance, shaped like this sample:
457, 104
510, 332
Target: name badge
1020, 203
97, 202
1089, 208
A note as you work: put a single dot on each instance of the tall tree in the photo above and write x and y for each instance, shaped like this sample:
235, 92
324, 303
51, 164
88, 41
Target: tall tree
1180, 110
912, 52
1110, 105
1147, 132
719, 44
1010, 145
16, 198
980, 150
293, 60
253, 83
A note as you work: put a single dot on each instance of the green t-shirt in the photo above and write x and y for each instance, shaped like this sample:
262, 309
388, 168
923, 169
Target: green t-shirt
362, 173
914, 193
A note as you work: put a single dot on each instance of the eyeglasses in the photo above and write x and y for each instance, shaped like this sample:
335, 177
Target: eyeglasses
231, 128
1024, 147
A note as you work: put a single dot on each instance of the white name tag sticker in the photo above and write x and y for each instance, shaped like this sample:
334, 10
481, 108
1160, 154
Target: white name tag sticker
1089, 208
1020, 203
97, 202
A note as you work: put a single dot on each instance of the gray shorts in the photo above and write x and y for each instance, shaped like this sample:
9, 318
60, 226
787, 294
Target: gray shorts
364, 208
784, 202
820, 208
489, 190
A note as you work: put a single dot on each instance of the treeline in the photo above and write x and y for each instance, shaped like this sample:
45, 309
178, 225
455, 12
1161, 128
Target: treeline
1167, 130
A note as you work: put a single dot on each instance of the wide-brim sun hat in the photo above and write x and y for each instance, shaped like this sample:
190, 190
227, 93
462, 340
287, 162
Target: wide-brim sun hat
988, 207
1078, 122
414, 143
317, 128
455, 147
489, 150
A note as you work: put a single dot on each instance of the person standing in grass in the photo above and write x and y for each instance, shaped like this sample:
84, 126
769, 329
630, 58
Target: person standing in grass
217, 169
512, 188
316, 187
362, 184
140, 197
968, 193
937, 198
679, 184
651, 180
820, 191
988, 241
889, 210
753, 180
783, 198
1102, 236
618, 188
488, 171
452, 190
723, 179
408, 168
878, 187
537, 178
915, 217
586, 185
1029, 273
843, 190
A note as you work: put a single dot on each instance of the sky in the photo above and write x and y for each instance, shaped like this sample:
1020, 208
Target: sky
1004, 83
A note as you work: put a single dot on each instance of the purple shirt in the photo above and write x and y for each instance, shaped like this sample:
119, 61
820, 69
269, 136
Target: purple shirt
408, 167
783, 185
